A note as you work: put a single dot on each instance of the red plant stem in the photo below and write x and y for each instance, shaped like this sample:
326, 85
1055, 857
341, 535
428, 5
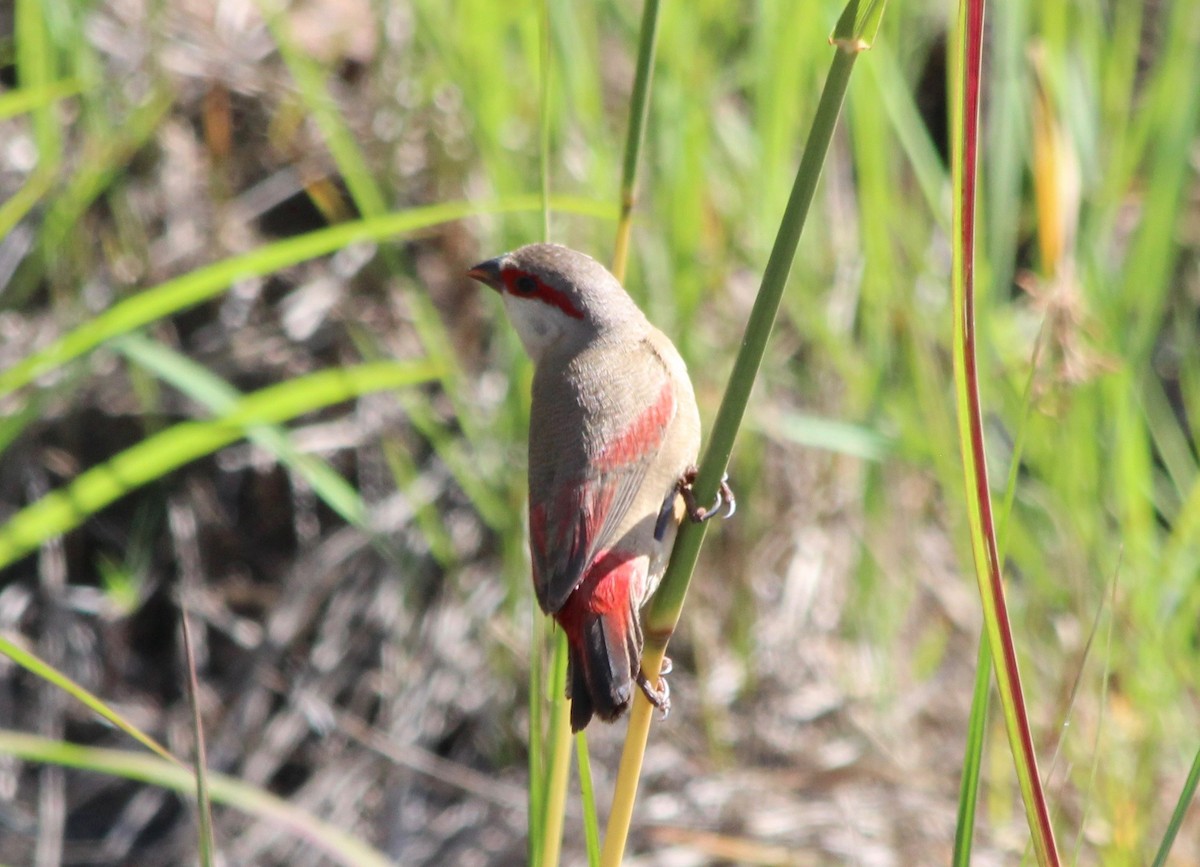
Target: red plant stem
972, 74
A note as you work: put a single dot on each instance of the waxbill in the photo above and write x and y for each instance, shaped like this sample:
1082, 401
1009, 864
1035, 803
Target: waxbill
613, 437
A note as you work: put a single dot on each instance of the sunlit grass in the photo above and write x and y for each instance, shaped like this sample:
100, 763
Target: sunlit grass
1097, 435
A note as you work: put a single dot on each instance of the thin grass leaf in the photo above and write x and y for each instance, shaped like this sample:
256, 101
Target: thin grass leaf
201, 385
545, 79
898, 104
31, 663
97, 171
28, 99
204, 831
537, 735
854, 440
202, 284
14, 209
558, 768
340, 846
587, 798
152, 458
36, 66
309, 76
639, 110
1179, 813
968, 787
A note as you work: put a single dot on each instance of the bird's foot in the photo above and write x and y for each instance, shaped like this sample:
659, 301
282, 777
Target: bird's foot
659, 696
725, 500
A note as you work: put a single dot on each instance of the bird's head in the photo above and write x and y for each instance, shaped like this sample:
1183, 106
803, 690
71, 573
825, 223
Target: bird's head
557, 298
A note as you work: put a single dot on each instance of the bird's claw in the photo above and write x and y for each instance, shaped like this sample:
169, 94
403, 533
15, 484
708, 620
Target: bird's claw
660, 696
725, 500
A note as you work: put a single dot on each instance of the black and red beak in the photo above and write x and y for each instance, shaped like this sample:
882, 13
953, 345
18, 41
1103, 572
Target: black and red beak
487, 273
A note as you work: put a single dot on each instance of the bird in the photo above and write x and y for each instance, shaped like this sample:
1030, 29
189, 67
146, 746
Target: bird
614, 433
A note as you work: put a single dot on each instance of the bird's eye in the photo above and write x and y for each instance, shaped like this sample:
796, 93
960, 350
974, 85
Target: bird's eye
525, 285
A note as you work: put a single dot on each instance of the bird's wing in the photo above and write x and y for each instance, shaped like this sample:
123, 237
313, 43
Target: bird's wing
601, 422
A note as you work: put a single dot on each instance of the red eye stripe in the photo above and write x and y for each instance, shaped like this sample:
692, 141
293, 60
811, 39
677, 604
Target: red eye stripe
518, 284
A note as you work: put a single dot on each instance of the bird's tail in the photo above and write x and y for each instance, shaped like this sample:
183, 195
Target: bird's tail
604, 660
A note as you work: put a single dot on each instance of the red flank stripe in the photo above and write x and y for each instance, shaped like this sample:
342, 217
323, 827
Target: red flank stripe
645, 433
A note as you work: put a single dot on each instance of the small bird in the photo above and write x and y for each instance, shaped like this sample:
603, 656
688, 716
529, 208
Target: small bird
613, 437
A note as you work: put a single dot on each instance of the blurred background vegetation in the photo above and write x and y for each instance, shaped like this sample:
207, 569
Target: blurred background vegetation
359, 586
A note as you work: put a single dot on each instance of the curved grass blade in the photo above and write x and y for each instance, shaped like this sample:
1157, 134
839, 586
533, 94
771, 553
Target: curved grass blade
94, 489
1180, 812
340, 846
203, 386
202, 284
52, 675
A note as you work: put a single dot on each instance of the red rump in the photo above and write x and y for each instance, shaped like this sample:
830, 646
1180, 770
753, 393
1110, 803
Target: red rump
603, 637
604, 589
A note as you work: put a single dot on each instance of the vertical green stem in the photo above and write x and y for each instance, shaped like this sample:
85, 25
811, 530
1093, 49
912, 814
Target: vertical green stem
537, 737
639, 108
559, 767
544, 132
968, 789
662, 613
664, 609
557, 771
587, 792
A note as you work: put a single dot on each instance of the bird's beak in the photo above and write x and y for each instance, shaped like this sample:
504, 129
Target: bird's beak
487, 273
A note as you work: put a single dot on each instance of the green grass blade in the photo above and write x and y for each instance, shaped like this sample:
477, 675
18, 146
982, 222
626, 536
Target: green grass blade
97, 171
537, 734
1179, 813
545, 79
94, 489
587, 799
857, 28
855, 440
14, 209
204, 387
340, 846
202, 284
36, 66
639, 110
968, 790
309, 76
896, 100
29, 99
51, 675
558, 769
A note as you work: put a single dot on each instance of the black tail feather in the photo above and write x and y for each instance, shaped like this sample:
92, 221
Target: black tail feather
603, 669
577, 689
